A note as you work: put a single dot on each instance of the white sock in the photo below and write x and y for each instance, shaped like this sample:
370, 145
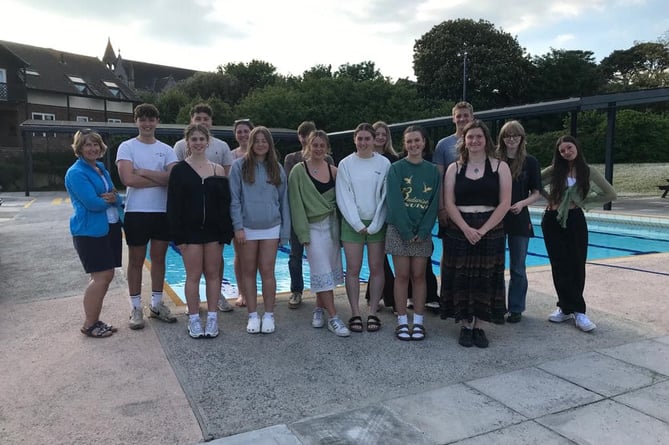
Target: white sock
192, 317
156, 298
402, 319
253, 315
136, 301
212, 316
417, 319
268, 315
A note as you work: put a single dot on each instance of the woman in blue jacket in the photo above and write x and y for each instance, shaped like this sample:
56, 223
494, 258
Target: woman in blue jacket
95, 225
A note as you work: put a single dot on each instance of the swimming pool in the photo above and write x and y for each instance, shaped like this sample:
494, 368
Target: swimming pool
610, 236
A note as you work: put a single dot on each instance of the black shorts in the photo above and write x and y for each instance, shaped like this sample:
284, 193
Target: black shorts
102, 253
141, 227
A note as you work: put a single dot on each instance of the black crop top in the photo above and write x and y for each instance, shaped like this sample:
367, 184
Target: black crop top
477, 192
322, 187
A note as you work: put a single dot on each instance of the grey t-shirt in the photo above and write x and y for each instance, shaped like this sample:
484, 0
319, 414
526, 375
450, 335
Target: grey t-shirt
445, 152
218, 151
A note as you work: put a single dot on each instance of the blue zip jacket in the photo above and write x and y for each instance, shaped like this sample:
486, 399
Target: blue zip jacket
85, 186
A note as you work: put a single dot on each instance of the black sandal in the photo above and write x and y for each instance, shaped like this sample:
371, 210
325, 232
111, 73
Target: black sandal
97, 330
373, 323
108, 326
355, 324
402, 332
418, 332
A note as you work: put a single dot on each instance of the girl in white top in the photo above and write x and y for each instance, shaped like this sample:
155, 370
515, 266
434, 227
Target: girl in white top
361, 195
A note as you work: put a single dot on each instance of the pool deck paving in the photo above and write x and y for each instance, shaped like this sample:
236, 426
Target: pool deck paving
538, 382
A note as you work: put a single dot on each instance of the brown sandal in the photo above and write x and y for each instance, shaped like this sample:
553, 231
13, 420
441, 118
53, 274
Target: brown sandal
355, 324
373, 323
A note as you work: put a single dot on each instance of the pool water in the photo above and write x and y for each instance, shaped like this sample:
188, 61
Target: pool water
608, 238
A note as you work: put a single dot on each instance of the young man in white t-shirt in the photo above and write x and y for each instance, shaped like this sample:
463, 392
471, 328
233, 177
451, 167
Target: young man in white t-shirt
144, 165
217, 151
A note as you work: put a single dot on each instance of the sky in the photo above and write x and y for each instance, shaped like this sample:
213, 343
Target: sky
295, 35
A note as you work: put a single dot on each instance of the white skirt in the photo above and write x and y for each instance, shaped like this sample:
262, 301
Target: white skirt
324, 255
261, 234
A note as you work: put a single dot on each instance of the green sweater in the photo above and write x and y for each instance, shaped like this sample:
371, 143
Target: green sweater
412, 198
600, 193
308, 205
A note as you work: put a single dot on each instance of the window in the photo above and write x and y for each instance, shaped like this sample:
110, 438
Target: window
44, 116
79, 84
113, 120
82, 118
114, 89
3, 84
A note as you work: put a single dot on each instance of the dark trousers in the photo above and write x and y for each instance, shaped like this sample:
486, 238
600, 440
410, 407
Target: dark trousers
295, 263
567, 251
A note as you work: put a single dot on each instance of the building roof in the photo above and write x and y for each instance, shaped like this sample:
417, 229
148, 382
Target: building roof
152, 77
59, 71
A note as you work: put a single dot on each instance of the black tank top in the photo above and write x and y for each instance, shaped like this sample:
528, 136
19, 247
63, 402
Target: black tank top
322, 187
477, 192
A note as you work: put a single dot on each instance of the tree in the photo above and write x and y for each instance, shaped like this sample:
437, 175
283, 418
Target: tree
497, 69
561, 74
359, 71
644, 65
248, 77
318, 72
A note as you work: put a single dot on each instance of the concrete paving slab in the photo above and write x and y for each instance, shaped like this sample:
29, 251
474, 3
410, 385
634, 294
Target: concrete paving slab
526, 433
468, 412
608, 422
533, 392
274, 435
602, 374
653, 400
370, 426
648, 354
664, 340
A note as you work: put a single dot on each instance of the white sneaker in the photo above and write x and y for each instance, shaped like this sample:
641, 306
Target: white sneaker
267, 324
223, 304
318, 321
584, 323
338, 327
211, 330
558, 316
136, 318
195, 328
253, 326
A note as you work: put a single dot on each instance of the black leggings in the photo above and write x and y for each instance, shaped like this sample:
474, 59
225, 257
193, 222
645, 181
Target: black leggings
567, 251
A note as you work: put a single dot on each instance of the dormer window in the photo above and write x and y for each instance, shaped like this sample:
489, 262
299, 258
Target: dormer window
80, 84
114, 89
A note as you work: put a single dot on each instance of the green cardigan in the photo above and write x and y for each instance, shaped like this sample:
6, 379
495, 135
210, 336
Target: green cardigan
308, 205
600, 193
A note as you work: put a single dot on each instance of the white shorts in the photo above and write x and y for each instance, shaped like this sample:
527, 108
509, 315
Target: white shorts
260, 234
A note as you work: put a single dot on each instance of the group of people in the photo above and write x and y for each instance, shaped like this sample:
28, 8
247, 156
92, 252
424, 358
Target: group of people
202, 195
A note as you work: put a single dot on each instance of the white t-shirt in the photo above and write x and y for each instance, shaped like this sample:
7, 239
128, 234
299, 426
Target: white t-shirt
218, 151
156, 156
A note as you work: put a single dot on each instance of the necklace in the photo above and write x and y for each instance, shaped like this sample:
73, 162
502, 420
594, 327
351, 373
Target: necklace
476, 166
315, 170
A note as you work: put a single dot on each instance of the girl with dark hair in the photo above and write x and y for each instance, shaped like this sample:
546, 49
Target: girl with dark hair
574, 186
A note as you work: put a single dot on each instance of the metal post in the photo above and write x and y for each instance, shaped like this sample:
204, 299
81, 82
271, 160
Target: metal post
464, 75
610, 141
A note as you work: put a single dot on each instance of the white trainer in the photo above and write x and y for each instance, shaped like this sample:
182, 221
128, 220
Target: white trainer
267, 324
558, 316
253, 326
211, 328
195, 328
338, 327
584, 323
223, 304
318, 320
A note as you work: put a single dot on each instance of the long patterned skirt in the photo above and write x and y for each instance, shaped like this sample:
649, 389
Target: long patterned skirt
324, 255
472, 276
